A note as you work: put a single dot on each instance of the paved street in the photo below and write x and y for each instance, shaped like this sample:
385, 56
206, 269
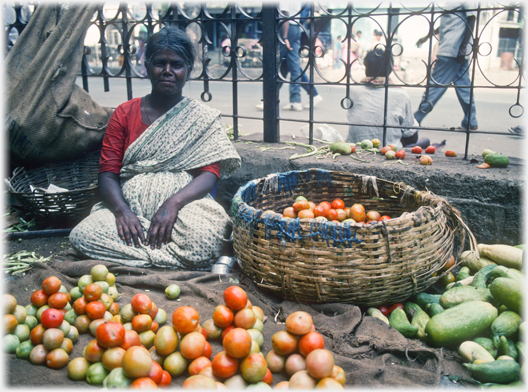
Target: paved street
492, 109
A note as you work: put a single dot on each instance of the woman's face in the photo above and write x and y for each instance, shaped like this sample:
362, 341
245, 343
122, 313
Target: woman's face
167, 73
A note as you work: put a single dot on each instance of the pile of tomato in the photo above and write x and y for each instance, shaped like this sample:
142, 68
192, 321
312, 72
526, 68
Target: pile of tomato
334, 211
132, 348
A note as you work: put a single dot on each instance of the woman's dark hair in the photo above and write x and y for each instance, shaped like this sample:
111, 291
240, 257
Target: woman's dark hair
376, 63
175, 39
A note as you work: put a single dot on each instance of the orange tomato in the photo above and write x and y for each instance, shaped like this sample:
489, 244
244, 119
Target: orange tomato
51, 285
237, 343
95, 310
331, 214
306, 214
92, 292
224, 365
57, 300
357, 212
141, 303
341, 215
39, 298
289, 212
235, 298
309, 342
185, 319
301, 205
373, 215
338, 204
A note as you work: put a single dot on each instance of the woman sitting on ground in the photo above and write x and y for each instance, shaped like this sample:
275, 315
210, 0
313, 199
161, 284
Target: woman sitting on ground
368, 101
162, 155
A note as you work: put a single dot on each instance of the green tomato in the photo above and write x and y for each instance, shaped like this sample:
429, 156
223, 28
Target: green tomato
172, 291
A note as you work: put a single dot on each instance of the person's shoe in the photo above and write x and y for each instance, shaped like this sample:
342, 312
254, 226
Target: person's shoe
296, 107
260, 106
316, 101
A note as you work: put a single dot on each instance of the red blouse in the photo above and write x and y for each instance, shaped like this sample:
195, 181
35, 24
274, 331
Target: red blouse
124, 127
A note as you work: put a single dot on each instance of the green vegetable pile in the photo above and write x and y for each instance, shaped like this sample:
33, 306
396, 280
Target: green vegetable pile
479, 315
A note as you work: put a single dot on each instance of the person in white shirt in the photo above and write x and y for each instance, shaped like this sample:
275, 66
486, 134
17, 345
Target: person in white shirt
368, 101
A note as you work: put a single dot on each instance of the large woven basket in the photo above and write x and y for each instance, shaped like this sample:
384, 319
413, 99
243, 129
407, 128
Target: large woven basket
314, 261
78, 176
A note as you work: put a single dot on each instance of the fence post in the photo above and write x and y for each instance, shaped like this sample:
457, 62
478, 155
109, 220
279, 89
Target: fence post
269, 67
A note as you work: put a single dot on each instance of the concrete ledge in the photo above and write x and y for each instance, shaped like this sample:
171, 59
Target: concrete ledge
490, 200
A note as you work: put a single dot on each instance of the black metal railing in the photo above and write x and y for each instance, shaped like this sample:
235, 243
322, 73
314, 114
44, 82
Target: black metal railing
250, 56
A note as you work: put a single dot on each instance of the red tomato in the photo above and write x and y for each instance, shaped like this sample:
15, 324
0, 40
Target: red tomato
110, 334
353, 148
383, 309
338, 204
319, 211
396, 305
384, 217
51, 318
430, 150
400, 154
450, 153
416, 150
331, 214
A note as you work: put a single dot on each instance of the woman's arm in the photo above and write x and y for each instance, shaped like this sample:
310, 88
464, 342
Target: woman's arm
163, 220
128, 226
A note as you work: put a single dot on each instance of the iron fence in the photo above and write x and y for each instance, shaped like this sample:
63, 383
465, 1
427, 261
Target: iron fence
238, 44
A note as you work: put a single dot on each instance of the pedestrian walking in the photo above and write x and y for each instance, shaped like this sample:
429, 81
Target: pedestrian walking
452, 66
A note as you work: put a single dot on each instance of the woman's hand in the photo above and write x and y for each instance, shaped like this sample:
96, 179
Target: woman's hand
162, 224
163, 221
129, 228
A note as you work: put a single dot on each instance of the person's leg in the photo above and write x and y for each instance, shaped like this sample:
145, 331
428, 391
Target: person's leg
463, 95
294, 63
444, 73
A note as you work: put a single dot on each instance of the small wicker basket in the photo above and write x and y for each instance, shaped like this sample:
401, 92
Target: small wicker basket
78, 176
314, 261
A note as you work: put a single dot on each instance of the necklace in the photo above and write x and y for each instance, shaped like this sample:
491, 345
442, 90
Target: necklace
146, 111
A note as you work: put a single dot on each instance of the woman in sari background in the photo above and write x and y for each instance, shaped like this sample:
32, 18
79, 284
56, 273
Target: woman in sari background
162, 155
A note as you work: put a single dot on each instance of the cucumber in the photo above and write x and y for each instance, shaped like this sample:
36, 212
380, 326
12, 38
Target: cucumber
374, 312
459, 323
520, 351
496, 160
433, 309
464, 282
341, 148
520, 246
487, 343
508, 292
422, 299
469, 259
507, 347
462, 274
506, 255
505, 272
516, 384
420, 320
500, 372
398, 320
480, 279
457, 295
506, 324
472, 351
411, 308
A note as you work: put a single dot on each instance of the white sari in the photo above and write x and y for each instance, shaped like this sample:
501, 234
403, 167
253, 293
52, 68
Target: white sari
189, 136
